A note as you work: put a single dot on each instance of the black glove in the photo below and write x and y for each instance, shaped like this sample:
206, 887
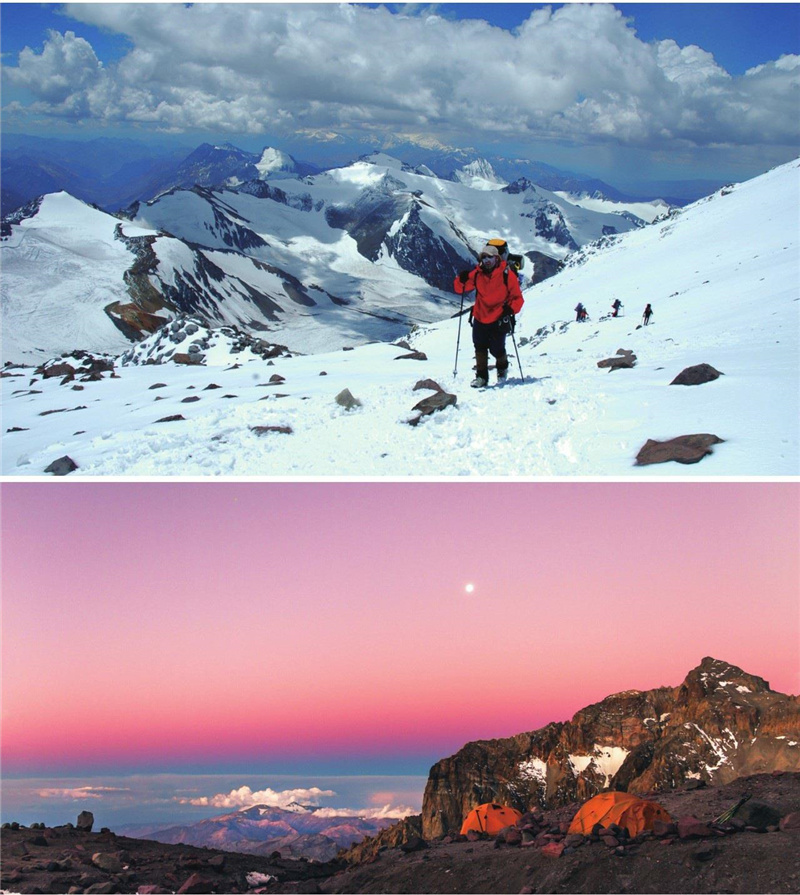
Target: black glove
464, 275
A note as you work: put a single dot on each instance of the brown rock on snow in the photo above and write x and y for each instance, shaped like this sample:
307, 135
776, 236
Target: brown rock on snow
623, 360
345, 399
683, 449
696, 375
415, 355
429, 384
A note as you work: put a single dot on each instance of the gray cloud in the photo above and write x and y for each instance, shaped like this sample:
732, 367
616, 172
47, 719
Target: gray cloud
578, 73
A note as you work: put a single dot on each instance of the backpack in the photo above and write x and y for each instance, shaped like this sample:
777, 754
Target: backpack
515, 262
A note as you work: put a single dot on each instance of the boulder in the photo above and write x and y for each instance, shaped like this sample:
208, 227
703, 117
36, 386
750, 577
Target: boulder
663, 828
415, 355
108, 862
345, 399
57, 370
758, 815
429, 384
553, 849
63, 466
194, 359
265, 430
790, 823
431, 404
176, 417
683, 449
696, 375
415, 843
623, 360
691, 828
513, 836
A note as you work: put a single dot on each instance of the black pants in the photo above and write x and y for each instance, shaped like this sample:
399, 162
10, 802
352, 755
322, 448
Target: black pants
488, 337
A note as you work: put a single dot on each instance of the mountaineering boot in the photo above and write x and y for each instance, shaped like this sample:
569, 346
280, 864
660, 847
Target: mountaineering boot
502, 367
481, 379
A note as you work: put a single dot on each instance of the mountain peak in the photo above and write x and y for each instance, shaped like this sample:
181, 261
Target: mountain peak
715, 675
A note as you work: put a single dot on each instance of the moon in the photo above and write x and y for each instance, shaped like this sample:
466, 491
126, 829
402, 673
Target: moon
469, 588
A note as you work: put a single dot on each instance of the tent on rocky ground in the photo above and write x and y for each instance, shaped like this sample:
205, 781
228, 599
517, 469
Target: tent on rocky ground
619, 808
490, 818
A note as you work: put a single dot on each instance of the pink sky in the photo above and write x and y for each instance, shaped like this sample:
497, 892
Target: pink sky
159, 625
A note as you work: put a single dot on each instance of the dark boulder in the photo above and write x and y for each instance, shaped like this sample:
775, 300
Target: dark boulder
431, 404
623, 360
63, 466
696, 375
683, 449
758, 815
429, 384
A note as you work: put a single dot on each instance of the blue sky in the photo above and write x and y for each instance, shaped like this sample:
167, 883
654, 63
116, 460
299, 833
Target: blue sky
665, 91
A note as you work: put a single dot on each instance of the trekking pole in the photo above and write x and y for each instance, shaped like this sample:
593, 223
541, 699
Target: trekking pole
458, 340
514, 341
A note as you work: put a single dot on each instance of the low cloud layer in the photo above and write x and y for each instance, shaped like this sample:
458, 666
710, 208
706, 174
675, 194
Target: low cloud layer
579, 73
79, 793
395, 812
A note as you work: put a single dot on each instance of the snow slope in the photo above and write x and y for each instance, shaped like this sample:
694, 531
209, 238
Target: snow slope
65, 241
722, 276
645, 211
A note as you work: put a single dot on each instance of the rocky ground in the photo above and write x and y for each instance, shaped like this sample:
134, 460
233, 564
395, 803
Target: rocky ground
68, 860
756, 852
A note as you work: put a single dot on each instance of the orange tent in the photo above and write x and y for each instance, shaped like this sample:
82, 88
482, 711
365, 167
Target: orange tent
620, 808
490, 818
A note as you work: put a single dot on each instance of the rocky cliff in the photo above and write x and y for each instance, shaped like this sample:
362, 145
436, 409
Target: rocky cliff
719, 724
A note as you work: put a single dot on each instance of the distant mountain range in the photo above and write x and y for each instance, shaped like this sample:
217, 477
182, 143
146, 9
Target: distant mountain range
294, 831
309, 261
114, 173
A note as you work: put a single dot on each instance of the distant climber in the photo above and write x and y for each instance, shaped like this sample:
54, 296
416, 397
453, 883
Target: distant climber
616, 305
498, 299
580, 312
648, 313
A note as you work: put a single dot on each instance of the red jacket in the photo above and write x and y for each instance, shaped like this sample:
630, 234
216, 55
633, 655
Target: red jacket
491, 292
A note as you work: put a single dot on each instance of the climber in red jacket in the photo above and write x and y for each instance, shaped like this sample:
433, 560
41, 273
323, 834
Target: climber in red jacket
497, 299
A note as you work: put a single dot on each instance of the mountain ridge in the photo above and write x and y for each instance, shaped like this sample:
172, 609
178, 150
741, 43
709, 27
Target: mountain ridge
720, 723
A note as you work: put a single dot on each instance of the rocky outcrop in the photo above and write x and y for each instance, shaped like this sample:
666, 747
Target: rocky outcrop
403, 832
719, 724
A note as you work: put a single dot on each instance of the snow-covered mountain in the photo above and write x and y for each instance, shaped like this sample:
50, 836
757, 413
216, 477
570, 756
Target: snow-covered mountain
722, 276
295, 831
315, 263
480, 175
226, 165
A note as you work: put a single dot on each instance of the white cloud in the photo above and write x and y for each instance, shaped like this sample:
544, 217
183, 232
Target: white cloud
80, 792
576, 73
397, 812
244, 797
